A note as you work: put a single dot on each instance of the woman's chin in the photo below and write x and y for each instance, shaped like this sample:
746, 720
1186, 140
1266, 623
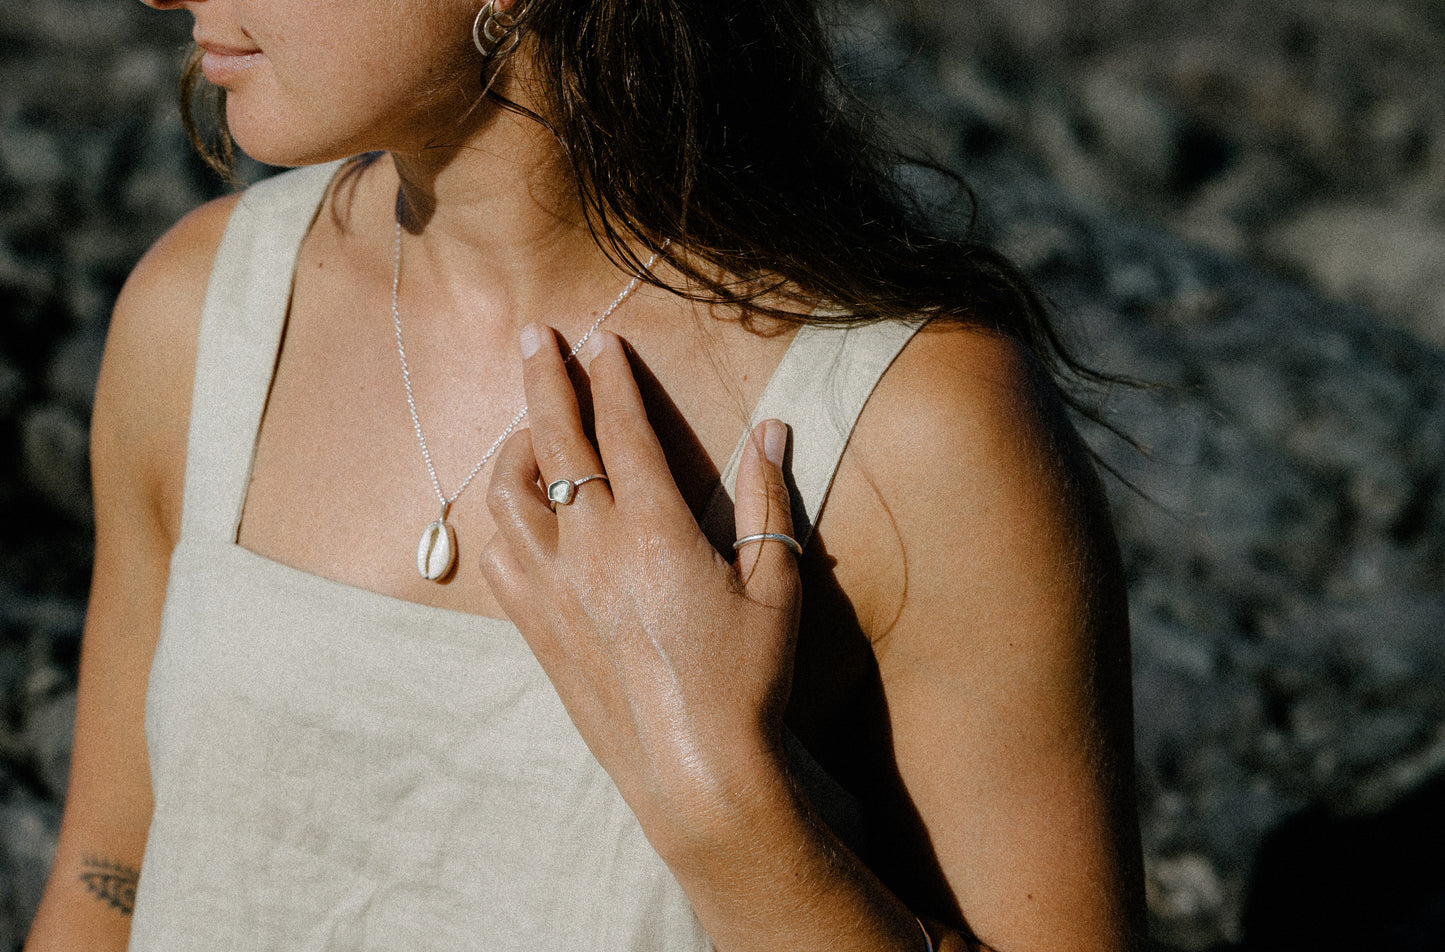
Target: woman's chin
261, 141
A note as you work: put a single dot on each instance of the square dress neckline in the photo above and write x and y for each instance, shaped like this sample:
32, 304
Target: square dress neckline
320, 179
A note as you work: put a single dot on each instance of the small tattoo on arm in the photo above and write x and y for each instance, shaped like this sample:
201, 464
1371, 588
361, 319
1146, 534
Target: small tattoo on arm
112, 883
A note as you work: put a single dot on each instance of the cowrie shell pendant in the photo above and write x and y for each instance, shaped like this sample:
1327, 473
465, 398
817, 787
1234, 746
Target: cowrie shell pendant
436, 553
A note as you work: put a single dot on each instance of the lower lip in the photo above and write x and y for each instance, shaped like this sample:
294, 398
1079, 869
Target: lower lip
222, 68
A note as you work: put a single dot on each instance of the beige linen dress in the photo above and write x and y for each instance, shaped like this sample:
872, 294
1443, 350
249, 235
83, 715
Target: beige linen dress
336, 769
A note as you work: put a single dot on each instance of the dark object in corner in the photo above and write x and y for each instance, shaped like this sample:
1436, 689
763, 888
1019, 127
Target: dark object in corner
1372, 882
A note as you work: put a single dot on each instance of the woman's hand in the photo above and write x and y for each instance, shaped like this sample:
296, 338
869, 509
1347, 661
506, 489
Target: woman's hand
674, 664
1004, 672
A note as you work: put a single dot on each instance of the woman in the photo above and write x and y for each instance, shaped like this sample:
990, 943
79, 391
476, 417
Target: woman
573, 720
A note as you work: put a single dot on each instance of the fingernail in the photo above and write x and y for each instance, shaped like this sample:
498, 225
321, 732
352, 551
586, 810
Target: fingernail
775, 441
530, 339
593, 347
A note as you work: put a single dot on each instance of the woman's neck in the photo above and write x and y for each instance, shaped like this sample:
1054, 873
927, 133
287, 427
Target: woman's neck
494, 225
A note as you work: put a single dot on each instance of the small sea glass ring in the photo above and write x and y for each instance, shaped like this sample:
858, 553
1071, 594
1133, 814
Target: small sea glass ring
561, 492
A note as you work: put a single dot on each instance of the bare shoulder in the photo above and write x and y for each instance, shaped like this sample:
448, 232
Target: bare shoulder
975, 540
966, 458
174, 272
142, 404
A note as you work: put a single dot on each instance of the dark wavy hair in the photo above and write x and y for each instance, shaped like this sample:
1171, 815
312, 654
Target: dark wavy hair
725, 127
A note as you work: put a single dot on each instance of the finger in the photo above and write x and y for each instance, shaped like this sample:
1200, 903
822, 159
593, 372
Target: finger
634, 458
519, 508
559, 442
768, 568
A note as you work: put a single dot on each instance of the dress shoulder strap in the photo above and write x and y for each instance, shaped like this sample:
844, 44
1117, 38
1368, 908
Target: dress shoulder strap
819, 389
242, 321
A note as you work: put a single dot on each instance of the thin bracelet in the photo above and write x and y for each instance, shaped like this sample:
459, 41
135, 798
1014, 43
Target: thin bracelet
927, 940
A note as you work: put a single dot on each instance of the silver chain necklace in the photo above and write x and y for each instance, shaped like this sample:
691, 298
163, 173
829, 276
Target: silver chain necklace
436, 553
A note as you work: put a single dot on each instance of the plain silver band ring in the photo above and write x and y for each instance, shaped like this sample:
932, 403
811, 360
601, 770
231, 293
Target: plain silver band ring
786, 540
561, 492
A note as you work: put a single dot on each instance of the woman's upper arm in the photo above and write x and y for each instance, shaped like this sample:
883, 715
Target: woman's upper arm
1005, 663
138, 441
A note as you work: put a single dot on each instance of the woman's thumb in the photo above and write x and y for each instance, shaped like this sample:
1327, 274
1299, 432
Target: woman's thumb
766, 552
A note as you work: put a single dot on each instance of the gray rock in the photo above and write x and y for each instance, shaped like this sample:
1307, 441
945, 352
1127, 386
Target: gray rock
1287, 642
27, 850
12, 385
1186, 889
74, 368
1391, 260
1132, 127
31, 158
55, 452
49, 728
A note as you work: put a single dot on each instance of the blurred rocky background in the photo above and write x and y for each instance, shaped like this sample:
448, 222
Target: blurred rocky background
1243, 202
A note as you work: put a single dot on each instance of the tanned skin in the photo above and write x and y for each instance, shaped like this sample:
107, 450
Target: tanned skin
953, 646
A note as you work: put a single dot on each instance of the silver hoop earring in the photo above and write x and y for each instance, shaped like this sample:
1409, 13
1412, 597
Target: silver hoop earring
494, 32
